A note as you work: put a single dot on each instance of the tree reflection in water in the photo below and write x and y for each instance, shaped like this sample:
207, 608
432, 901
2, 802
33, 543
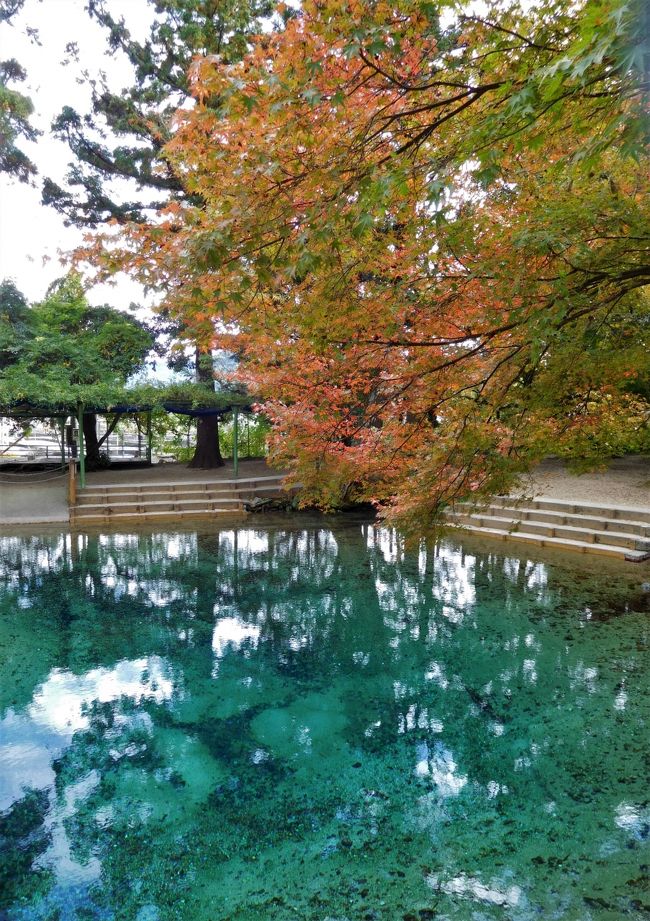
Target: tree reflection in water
315, 721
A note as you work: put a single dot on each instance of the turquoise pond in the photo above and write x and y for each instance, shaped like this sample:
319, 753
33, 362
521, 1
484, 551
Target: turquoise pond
301, 719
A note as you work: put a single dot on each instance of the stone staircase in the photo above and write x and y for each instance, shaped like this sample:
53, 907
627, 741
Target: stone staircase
150, 502
580, 526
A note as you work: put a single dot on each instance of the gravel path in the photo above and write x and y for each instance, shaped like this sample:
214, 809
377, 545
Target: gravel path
625, 482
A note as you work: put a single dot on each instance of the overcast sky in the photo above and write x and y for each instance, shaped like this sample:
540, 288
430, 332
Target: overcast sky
32, 235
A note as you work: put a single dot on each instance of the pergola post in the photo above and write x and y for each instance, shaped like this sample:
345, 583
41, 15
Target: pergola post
235, 439
82, 453
149, 437
62, 433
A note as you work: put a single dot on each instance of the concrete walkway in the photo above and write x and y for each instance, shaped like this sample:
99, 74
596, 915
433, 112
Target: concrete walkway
44, 502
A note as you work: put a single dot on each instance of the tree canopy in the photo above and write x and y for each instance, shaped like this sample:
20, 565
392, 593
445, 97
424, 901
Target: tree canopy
15, 110
62, 351
123, 136
431, 234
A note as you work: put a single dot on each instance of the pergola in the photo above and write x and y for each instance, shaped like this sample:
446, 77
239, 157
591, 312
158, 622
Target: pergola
28, 410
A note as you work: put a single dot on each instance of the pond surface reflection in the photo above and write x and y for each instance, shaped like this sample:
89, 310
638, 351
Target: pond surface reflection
314, 722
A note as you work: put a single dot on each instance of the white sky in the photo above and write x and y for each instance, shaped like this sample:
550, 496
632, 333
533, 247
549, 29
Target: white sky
32, 235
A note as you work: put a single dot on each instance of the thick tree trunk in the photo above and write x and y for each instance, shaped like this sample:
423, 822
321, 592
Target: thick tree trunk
91, 442
207, 454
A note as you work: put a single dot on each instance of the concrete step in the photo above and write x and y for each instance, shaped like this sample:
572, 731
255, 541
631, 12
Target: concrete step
249, 491
168, 504
173, 497
85, 498
585, 535
561, 543
132, 498
177, 493
595, 509
154, 516
244, 482
620, 525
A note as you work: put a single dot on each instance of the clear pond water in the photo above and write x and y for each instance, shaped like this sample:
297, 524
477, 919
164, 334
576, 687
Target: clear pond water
309, 722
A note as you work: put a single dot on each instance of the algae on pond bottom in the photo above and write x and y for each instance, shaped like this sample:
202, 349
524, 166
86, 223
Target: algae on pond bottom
312, 722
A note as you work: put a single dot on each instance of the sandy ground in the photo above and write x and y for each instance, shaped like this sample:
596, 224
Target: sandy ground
625, 483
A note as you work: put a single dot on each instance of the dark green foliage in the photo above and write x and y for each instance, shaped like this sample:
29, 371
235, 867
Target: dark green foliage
15, 109
63, 351
22, 839
14, 326
9, 8
15, 112
138, 120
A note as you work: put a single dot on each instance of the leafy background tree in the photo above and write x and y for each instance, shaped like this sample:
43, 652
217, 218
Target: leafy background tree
63, 352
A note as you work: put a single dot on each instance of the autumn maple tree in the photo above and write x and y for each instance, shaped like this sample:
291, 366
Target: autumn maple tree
426, 230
